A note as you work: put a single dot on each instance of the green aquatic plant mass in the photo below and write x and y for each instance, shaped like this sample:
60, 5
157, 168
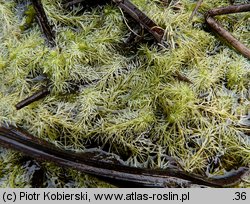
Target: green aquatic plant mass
127, 98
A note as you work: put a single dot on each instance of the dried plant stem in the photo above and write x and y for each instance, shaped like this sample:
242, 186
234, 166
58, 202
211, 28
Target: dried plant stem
229, 10
181, 77
43, 22
125, 21
35, 97
228, 37
141, 18
135, 13
18, 139
195, 9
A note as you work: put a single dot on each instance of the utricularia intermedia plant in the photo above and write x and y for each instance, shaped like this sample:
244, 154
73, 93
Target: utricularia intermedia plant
188, 98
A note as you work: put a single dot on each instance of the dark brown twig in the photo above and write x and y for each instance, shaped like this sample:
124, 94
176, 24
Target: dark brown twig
43, 22
195, 9
223, 32
35, 97
141, 18
135, 13
229, 10
18, 139
181, 77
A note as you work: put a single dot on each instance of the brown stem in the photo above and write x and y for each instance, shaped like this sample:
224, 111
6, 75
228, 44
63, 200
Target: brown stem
229, 38
141, 18
195, 9
43, 22
18, 139
229, 10
134, 12
35, 97
181, 77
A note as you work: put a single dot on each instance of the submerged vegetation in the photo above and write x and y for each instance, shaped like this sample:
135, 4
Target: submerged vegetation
128, 100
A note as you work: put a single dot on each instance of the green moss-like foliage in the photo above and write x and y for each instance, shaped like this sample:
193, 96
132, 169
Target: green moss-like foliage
127, 100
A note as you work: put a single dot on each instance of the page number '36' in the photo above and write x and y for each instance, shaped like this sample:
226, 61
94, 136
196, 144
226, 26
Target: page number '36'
240, 196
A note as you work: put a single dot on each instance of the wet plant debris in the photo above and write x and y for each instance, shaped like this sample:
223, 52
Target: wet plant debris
132, 87
116, 171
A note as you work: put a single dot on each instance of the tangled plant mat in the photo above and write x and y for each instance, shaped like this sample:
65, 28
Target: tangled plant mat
113, 87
